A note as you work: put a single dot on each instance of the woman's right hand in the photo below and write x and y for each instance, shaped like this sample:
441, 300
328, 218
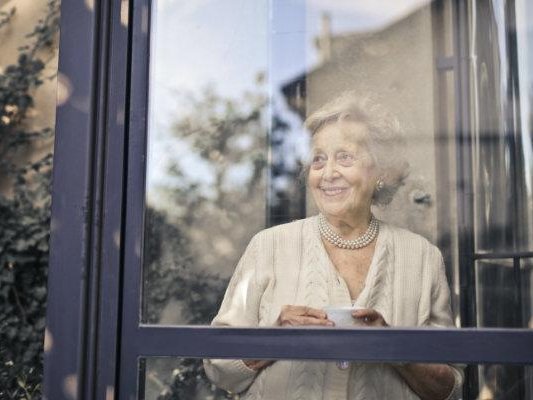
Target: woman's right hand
293, 316
302, 315
257, 365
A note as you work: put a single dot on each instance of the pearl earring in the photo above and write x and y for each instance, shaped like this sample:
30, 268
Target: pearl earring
379, 184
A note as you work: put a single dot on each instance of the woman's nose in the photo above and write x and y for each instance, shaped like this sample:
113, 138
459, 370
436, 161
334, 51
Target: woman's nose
330, 170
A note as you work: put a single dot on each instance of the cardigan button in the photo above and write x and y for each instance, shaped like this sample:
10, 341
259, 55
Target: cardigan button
342, 365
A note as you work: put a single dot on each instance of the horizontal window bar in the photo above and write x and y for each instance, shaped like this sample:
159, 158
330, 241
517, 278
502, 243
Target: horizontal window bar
466, 345
517, 254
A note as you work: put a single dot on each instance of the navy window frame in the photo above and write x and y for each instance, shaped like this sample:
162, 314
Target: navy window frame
94, 331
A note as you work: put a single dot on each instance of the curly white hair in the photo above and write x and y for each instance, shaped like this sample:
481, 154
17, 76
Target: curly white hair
385, 138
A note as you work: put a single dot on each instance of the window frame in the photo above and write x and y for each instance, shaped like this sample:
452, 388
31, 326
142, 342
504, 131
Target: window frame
95, 279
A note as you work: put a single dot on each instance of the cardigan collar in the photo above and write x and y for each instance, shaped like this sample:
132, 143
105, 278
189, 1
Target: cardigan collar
378, 290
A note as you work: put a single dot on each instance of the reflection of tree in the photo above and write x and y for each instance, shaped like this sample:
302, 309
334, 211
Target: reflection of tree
226, 134
168, 275
192, 246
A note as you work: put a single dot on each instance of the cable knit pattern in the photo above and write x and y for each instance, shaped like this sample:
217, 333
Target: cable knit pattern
361, 382
316, 280
307, 380
380, 289
288, 264
317, 287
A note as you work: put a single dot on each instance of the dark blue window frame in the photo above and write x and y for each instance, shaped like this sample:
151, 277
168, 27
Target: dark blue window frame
93, 320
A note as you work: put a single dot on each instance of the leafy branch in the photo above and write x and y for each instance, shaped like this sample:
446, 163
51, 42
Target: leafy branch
24, 212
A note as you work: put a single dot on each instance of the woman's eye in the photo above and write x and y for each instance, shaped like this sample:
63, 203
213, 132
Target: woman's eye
318, 161
345, 158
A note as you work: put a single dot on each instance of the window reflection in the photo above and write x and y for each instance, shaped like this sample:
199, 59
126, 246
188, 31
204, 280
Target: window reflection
176, 378
227, 146
230, 86
500, 301
231, 149
501, 117
505, 382
183, 378
526, 288
208, 129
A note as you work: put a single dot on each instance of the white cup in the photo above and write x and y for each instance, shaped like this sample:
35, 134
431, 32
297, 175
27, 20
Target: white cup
342, 316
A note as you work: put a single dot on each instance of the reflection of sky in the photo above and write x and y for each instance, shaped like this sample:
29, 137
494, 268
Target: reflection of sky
524, 30
226, 43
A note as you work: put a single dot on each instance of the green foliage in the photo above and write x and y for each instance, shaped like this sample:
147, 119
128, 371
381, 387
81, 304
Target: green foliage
5, 16
169, 276
24, 216
189, 382
225, 134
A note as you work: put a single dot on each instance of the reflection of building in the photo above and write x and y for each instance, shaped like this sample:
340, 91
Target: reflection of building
396, 64
412, 66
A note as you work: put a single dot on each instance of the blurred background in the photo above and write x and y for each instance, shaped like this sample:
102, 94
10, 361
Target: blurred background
28, 81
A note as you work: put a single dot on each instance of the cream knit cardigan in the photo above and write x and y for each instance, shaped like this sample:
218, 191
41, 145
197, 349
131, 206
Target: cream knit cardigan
288, 264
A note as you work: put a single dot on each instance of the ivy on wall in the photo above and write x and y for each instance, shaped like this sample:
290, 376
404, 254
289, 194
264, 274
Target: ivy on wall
24, 213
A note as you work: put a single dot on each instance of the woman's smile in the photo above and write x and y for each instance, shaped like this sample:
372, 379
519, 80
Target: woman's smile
333, 191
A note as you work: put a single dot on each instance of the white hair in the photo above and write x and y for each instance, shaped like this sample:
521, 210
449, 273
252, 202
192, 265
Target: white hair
385, 137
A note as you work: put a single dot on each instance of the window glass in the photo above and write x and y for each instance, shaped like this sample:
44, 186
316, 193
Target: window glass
180, 378
501, 118
504, 293
207, 153
231, 84
524, 37
526, 288
497, 381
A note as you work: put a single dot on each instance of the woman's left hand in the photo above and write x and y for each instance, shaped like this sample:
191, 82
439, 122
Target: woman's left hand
370, 317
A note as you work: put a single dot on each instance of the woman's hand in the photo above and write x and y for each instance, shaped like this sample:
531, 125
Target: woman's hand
429, 381
302, 315
369, 317
293, 316
256, 365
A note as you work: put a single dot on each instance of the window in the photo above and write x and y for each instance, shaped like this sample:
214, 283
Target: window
214, 152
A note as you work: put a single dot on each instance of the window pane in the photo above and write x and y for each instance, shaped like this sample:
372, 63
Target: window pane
526, 276
225, 137
504, 293
184, 378
524, 36
501, 126
230, 87
208, 131
498, 381
499, 302
447, 188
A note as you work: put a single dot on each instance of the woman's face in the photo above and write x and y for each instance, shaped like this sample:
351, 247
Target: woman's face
342, 175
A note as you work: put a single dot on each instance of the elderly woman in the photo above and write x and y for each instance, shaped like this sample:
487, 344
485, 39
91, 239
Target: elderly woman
344, 256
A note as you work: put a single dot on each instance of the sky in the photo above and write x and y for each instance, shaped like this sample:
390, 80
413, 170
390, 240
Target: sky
226, 43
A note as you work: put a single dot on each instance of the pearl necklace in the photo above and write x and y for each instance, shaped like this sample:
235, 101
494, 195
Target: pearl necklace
334, 238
